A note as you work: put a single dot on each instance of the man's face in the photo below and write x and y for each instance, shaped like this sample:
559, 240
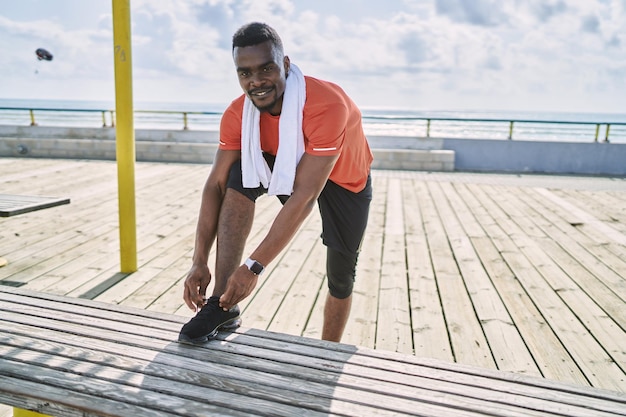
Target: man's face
261, 70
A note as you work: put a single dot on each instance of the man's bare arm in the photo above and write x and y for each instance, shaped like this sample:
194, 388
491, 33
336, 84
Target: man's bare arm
199, 275
311, 176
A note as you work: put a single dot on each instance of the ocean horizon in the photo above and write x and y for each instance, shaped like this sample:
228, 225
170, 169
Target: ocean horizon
377, 121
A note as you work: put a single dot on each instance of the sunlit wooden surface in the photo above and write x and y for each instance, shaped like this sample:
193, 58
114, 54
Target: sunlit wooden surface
518, 273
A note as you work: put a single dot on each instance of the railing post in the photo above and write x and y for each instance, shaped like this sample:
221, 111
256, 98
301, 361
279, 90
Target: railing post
104, 119
606, 138
32, 118
511, 130
112, 118
427, 128
597, 132
185, 127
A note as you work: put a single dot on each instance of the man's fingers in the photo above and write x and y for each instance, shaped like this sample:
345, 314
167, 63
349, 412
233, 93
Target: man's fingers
225, 300
188, 300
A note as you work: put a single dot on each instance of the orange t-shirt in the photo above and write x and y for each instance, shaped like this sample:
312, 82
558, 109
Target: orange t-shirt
331, 124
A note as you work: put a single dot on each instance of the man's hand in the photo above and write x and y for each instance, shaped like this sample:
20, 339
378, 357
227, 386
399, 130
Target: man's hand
196, 283
240, 285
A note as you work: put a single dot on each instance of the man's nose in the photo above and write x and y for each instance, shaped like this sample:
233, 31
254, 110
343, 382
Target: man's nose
256, 79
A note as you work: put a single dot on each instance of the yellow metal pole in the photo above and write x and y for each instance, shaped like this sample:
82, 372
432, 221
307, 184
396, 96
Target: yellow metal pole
125, 146
125, 135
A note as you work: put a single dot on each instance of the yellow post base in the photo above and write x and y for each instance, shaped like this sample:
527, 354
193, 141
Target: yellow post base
18, 412
3, 262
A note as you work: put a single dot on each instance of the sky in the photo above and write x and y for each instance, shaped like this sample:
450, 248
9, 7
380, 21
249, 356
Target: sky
439, 55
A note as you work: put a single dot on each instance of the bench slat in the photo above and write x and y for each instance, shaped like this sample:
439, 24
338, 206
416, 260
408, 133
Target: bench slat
12, 205
263, 369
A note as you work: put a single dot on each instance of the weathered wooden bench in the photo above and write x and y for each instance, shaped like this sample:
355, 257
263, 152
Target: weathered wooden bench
73, 357
12, 205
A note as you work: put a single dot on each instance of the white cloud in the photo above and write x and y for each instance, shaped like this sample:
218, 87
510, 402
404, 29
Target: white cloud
427, 54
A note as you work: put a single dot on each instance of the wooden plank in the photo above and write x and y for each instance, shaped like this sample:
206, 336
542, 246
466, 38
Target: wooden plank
430, 337
602, 205
275, 283
140, 390
395, 332
293, 314
603, 327
505, 342
106, 316
588, 354
468, 341
90, 267
12, 204
538, 337
363, 377
363, 398
605, 265
585, 269
102, 216
361, 328
604, 237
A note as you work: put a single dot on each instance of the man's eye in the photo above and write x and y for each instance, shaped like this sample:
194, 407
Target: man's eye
244, 74
268, 68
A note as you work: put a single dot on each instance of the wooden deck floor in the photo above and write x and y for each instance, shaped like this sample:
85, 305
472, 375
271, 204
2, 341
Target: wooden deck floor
518, 273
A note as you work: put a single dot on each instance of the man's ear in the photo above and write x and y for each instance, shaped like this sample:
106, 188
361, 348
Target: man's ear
286, 64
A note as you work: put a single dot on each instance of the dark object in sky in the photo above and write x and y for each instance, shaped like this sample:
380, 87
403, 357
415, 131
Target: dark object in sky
43, 54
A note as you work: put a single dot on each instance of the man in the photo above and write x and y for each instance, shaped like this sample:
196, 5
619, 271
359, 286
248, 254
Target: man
322, 156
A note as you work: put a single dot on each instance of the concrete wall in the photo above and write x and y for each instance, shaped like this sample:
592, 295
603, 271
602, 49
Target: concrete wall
428, 154
538, 157
186, 146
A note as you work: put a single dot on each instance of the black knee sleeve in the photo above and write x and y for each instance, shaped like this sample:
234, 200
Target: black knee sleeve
341, 270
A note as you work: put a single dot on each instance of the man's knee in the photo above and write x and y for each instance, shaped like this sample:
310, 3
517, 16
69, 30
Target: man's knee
341, 271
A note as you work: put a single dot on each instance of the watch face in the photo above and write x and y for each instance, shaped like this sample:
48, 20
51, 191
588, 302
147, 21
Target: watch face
256, 268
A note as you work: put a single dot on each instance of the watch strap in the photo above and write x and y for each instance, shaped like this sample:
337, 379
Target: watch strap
254, 266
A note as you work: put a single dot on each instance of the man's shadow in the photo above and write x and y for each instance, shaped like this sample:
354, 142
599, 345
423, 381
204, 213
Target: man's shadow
252, 372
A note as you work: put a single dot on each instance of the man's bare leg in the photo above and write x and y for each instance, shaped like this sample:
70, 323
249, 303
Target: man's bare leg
234, 225
336, 313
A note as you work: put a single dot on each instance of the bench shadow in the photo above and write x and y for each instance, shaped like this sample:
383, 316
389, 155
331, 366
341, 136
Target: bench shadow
252, 372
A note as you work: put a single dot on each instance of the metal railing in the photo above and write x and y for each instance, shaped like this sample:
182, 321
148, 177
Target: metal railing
183, 117
510, 122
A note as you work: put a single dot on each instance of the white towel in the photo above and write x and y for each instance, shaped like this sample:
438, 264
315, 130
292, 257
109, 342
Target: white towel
255, 170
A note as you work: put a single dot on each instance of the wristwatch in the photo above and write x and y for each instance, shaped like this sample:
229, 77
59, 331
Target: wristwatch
254, 266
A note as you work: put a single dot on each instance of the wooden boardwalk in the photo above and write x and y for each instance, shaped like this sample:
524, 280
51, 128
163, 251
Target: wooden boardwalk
518, 273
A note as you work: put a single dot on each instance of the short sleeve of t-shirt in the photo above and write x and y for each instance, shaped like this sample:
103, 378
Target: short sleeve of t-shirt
230, 126
324, 127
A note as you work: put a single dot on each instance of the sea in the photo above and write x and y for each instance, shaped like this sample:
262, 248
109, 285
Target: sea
527, 125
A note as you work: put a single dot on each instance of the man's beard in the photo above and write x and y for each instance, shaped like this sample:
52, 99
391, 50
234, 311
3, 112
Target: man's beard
267, 108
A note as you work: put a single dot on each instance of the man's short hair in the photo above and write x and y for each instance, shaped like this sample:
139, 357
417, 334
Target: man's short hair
255, 33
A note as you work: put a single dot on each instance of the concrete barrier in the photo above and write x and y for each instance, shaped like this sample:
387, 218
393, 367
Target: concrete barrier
484, 155
187, 146
390, 152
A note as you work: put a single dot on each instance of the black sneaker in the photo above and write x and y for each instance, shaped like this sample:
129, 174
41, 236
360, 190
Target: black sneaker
208, 321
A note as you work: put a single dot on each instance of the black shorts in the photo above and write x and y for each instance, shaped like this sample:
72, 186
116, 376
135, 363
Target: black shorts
344, 219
